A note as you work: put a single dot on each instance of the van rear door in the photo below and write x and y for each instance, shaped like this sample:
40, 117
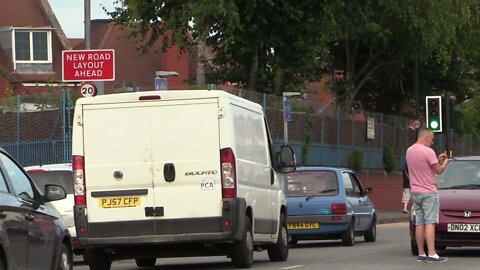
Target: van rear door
152, 160
186, 164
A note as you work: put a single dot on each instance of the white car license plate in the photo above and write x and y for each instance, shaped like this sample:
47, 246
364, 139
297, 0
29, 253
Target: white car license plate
458, 227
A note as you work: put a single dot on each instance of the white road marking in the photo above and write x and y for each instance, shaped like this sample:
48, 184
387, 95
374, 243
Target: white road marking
291, 267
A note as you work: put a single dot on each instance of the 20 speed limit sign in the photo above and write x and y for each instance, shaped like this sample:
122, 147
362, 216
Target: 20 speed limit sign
88, 89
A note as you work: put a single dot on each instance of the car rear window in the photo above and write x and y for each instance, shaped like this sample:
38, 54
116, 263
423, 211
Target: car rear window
460, 174
312, 183
62, 178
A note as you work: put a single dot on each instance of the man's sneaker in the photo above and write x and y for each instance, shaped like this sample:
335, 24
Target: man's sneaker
435, 260
422, 259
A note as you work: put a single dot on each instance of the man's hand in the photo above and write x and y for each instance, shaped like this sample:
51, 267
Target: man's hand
443, 156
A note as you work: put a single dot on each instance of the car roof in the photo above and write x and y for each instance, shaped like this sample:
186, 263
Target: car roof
50, 167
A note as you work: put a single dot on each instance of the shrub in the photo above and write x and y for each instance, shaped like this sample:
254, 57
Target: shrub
389, 161
355, 160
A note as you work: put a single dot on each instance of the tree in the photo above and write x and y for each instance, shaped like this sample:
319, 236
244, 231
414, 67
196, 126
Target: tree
261, 45
182, 23
387, 36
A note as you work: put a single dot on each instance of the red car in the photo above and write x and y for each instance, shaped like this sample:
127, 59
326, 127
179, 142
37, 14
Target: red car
459, 193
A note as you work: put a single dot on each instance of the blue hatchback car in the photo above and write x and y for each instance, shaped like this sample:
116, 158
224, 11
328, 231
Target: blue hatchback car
329, 203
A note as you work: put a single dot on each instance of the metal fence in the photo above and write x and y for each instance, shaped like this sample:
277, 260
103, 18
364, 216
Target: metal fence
320, 133
37, 130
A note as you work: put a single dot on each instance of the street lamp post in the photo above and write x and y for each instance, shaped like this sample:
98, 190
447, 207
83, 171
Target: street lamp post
287, 111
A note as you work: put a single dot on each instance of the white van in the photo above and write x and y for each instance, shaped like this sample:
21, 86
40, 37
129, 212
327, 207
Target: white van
177, 173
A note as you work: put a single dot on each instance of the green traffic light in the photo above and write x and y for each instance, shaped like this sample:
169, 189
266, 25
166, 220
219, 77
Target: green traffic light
434, 124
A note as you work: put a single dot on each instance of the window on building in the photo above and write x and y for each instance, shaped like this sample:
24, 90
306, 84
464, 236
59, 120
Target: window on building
33, 46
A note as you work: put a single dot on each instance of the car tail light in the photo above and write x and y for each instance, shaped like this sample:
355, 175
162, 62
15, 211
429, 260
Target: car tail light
339, 208
36, 171
229, 174
78, 165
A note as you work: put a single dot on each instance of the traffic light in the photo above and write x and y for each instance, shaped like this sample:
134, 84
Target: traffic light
434, 113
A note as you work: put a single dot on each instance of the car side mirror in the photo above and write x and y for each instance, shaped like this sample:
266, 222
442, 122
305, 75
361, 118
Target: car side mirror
368, 190
287, 162
54, 193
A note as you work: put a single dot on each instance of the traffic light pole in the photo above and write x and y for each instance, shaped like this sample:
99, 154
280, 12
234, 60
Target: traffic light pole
447, 122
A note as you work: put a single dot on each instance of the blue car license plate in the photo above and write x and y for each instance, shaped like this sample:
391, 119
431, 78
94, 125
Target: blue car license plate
303, 225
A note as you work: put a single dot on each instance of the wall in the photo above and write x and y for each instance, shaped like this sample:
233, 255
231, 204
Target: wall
387, 189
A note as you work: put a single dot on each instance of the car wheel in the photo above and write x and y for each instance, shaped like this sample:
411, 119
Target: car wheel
65, 259
242, 251
98, 260
145, 262
413, 247
279, 251
348, 237
2, 264
371, 234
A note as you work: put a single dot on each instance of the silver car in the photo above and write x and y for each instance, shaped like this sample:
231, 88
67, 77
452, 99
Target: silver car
58, 174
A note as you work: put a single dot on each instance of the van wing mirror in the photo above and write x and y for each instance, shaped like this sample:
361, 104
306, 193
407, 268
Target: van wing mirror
286, 158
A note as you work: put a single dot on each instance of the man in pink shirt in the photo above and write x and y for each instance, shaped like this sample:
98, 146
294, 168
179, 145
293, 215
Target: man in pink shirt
423, 164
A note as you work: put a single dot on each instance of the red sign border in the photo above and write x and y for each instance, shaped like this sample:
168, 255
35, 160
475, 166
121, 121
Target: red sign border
89, 80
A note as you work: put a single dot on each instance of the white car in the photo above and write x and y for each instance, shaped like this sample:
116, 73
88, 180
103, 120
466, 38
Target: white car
59, 174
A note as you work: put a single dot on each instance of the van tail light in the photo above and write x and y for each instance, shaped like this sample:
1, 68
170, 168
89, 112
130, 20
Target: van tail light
78, 165
229, 174
339, 209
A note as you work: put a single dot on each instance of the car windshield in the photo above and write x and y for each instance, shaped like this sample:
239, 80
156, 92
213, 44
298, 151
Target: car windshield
460, 174
62, 178
312, 183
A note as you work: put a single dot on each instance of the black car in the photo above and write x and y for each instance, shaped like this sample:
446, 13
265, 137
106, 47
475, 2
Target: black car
32, 236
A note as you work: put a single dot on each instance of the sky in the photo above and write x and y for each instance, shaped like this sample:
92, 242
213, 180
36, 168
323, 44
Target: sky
70, 14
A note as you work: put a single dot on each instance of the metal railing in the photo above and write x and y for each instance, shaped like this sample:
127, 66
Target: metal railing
320, 133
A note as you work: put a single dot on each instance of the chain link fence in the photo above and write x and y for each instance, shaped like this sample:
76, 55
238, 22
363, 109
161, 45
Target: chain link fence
320, 133
36, 129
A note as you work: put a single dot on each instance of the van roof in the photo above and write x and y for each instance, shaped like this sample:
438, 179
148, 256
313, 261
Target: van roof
162, 95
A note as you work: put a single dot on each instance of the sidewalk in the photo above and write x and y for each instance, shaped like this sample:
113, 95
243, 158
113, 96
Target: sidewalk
384, 217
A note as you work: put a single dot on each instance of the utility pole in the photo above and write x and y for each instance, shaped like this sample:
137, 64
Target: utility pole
88, 42
415, 86
87, 25
446, 94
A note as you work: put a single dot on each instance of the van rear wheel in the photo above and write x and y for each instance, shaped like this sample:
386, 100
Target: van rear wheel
242, 251
279, 251
98, 260
145, 262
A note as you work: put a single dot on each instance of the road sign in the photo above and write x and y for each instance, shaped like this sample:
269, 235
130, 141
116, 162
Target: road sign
88, 65
288, 111
417, 124
161, 84
88, 90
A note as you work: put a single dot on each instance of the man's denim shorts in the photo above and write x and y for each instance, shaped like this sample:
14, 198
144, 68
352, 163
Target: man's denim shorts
426, 207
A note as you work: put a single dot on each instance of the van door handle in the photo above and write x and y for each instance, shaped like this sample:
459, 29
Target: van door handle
169, 172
